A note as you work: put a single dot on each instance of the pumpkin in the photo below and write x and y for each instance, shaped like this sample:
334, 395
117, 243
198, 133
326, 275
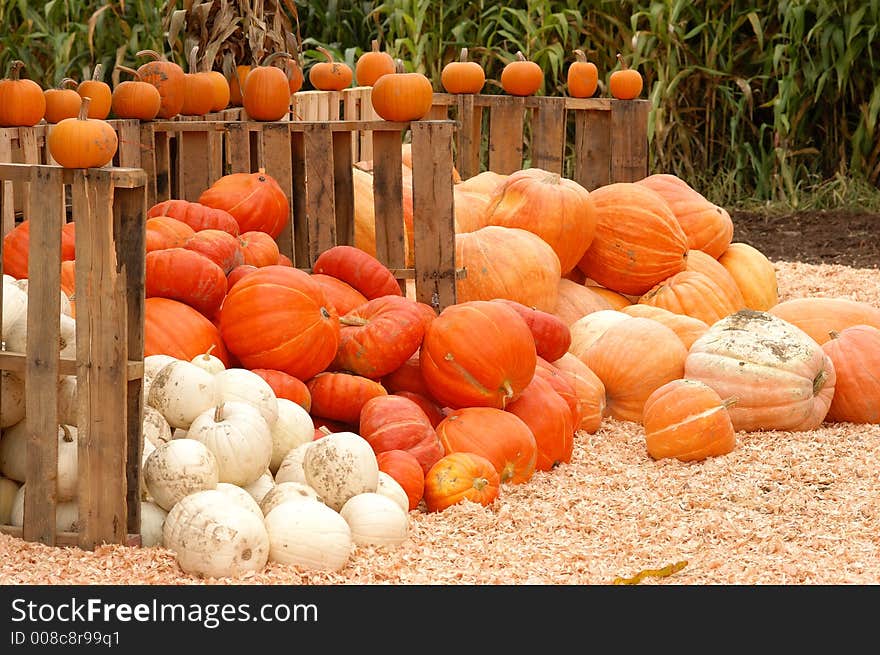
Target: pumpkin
552, 336
62, 101
286, 386
241, 498
22, 103
477, 354
255, 200
633, 358
704, 263
693, 294
555, 208
284, 492
375, 520
294, 74
781, 377
308, 535
258, 248
266, 95
429, 406
406, 470
13, 458
521, 77
176, 329
168, 78
135, 99
585, 331
687, 420
291, 467
16, 337
754, 274
16, 248
461, 477
238, 436
8, 492
470, 209
339, 466
484, 182
198, 89
13, 389
293, 427
66, 513
407, 377
214, 538
688, 328
242, 385
330, 75
360, 270
625, 83
372, 65
196, 215
499, 436
82, 142
277, 317
239, 272
390, 422
562, 386
617, 300
402, 96
156, 429
164, 232
341, 295
365, 212
583, 77
178, 468
550, 420
707, 226
236, 83
99, 93
390, 488
340, 396
576, 300
638, 240
819, 316
379, 336
507, 262
462, 76
220, 247
182, 391
261, 487
855, 354
187, 276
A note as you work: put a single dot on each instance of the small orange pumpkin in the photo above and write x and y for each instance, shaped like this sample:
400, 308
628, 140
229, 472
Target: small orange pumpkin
62, 102
521, 77
266, 94
330, 75
22, 103
82, 142
135, 98
459, 477
583, 77
625, 83
372, 65
855, 354
168, 78
198, 94
402, 96
100, 93
236, 84
463, 76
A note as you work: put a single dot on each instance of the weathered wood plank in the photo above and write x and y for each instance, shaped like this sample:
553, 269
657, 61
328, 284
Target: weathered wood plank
343, 188
68, 538
298, 207
129, 150
390, 234
506, 135
238, 148
468, 142
277, 162
629, 140
320, 203
592, 148
547, 146
162, 151
7, 211
193, 165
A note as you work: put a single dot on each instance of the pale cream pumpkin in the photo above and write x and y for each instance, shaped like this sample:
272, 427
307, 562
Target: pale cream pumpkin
339, 466
375, 520
293, 428
181, 391
178, 468
310, 535
285, 492
242, 385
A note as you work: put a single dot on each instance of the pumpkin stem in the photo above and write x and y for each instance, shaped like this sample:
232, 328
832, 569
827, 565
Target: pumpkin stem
84, 108
819, 381
580, 56
15, 69
97, 72
152, 54
398, 66
374, 45
67, 82
218, 413
508, 393
324, 430
520, 56
130, 71
326, 53
480, 483
208, 351
463, 57
353, 320
729, 402
67, 436
834, 334
623, 64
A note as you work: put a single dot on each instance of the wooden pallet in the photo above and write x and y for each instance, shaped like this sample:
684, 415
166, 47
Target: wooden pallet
110, 207
312, 161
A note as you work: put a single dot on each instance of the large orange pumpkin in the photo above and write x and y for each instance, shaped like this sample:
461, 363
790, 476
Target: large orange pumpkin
187, 276
461, 477
550, 419
255, 200
166, 232
753, 273
588, 388
286, 386
362, 271
365, 212
196, 215
340, 396
688, 328
694, 294
576, 300
176, 329
407, 377
477, 354
704, 263
258, 248
551, 334
818, 316
266, 90
341, 295
855, 353
278, 317
390, 422
220, 247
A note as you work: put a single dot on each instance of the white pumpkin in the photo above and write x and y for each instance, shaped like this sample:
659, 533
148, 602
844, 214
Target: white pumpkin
242, 385
239, 437
390, 487
156, 428
152, 365
209, 362
291, 468
12, 390
339, 466
294, 427
178, 468
308, 534
375, 520
181, 391
240, 497
66, 513
214, 538
66, 307
261, 486
15, 303
287, 491
152, 524
8, 491
16, 337
13, 457
68, 408
146, 450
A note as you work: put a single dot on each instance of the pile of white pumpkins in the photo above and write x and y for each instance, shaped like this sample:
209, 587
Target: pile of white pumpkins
232, 475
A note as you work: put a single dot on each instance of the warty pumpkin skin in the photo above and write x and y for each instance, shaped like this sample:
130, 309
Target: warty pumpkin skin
820, 316
781, 377
460, 477
855, 353
754, 274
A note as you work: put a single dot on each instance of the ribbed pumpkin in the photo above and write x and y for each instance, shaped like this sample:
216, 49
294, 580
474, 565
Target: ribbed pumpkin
585, 331
166, 232
340, 396
638, 241
470, 209
753, 273
561, 386
135, 98
552, 336
555, 208
22, 103
688, 420
187, 276
255, 200
461, 477
406, 470
277, 317
688, 328
500, 436
258, 248
220, 247
588, 388
62, 101
432, 410
855, 353
82, 142
693, 294
286, 386
633, 358
176, 329
708, 227
168, 78
507, 262
576, 300
196, 215
551, 421
781, 377
484, 182
362, 271
819, 316
704, 263
390, 422
477, 354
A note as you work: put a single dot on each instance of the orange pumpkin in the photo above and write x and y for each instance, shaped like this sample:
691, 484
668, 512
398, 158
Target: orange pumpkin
461, 477
220, 247
753, 273
196, 215
688, 420
625, 83
62, 102
484, 182
100, 93
500, 436
407, 377
255, 200
470, 209
236, 84
187, 276
521, 77
820, 316
16, 250
583, 77
295, 75
82, 142
176, 329
168, 78
22, 103
463, 76
266, 95
703, 262
550, 419
574, 301
552, 336
365, 212
362, 271
402, 96
688, 328
855, 353
694, 294
135, 98
588, 388
390, 422
258, 248
406, 471
286, 386
239, 272
372, 65
330, 75
198, 89
167, 232
431, 409
341, 295
616, 300
341, 396
562, 387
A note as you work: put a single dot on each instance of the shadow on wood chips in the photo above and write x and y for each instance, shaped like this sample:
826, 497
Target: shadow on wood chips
844, 237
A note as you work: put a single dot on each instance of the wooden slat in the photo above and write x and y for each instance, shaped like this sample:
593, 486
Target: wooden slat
388, 200
343, 188
162, 151
433, 216
276, 161
28, 140
41, 376
238, 148
69, 538
320, 203
547, 145
193, 165
468, 142
17, 363
129, 151
592, 148
148, 160
102, 388
295, 126
7, 211
506, 135
299, 211
629, 140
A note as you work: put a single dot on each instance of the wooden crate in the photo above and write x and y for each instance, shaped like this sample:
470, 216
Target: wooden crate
312, 161
110, 206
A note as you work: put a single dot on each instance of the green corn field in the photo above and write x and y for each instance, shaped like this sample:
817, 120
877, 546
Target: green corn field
759, 101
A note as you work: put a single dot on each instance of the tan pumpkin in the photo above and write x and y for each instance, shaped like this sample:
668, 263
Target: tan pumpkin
587, 329
589, 389
753, 273
693, 294
704, 263
575, 300
688, 328
818, 316
485, 182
